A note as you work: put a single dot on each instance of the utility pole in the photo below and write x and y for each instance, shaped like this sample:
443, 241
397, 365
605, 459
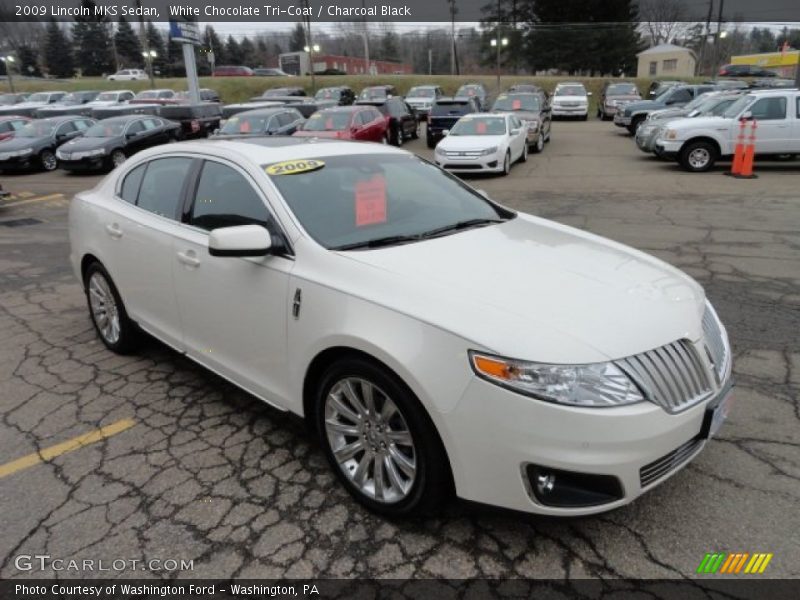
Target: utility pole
699, 66
145, 45
717, 38
430, 61
366, 39
453, 12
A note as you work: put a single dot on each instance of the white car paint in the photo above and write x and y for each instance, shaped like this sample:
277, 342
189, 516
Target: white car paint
128, 75
526, 288
466, 153
772, 136
573, 105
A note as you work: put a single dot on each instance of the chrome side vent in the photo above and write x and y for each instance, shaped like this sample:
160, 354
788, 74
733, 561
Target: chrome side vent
672, 376
668, 463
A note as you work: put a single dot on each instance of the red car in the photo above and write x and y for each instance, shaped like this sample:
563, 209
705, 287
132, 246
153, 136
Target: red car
10, 125
233, 71
361, 123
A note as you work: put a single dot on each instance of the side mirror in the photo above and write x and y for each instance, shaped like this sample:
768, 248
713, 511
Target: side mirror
241, 240
445, 132
588, 93
515, 131
131, 134
746, 116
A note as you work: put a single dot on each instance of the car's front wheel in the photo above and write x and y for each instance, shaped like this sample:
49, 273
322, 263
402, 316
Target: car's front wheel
379, 440
698, 156
107, 311
48, 160
507, 163
117, 158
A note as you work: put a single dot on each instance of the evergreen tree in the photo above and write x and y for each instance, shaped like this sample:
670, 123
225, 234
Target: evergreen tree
389, 46
233, 51
129, 48
175, 66
58, 52
28, 61
212, 43
248, 52
297, 41
92, 38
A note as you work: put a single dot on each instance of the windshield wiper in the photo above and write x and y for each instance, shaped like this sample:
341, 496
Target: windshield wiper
389, 240
469, 223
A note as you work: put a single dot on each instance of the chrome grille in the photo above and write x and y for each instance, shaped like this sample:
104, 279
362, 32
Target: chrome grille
715, 342
672, 376
668, 463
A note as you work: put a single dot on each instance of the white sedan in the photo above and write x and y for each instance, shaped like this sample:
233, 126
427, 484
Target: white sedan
128, 75
435, 340
483, 143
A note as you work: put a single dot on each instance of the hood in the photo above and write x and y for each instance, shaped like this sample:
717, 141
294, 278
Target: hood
82, 144
697, 122
624, 97
525, 115
323, 134
103, 103
531, 289
576, 98
642, 105
20, 143
668, 113
470, 142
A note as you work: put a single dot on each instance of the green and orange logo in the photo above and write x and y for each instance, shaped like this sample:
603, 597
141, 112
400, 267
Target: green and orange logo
735, 563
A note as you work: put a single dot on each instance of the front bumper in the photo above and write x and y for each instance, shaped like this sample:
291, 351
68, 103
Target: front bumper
570, 111
91, 163
496, 434
493, 163
667, 148
18, 163
620, 120
646, 140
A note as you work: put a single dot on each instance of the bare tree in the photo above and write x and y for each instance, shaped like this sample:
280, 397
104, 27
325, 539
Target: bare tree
663, 20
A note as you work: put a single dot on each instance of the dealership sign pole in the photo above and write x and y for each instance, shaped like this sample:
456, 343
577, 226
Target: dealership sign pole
188, 34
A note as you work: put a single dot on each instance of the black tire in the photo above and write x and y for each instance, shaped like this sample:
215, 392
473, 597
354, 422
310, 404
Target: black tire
415, 133
635, 122
507, 163
398, 136
432, 484
430, 142
114, 158
692, 156
48, 160
129, 334
585, 117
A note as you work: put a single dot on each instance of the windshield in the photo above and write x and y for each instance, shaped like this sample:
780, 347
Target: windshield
570, 90
246, 124
479, 126
36, 129
420, 92
469, 90
328, 94
443, 109
105, 130
357, 199
517, 102
146, 95
107, 97
71, 99
622, 89
8, 99
38, 98
327, 121
698, 103
718, 108
373, 93
737, 107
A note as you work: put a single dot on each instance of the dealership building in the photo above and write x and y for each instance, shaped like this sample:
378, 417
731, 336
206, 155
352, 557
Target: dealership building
299, 63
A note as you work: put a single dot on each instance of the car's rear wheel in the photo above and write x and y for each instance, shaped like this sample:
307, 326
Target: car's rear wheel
107, 311
48, 160
415, 133
539, 144
634, 126
399, 138
379, 440
524, 156
698, 156
430, 142
117, 158
385, 139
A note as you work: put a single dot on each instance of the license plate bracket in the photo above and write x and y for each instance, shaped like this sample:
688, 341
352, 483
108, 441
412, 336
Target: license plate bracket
716, 415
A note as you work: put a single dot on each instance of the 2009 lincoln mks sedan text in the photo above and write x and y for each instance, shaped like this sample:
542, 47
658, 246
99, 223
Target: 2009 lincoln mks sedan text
436, 340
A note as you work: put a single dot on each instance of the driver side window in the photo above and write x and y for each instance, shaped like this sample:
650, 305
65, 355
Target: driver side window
225, 198
769, 109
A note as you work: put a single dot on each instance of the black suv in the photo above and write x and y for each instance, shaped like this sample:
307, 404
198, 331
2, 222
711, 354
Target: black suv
403, 122
444, 114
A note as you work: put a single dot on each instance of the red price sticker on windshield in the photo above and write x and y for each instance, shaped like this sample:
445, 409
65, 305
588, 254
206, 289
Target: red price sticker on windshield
371, 201
516, 104
481, 127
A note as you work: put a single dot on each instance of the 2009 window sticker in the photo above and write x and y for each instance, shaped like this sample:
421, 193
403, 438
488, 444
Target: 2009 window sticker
293, 167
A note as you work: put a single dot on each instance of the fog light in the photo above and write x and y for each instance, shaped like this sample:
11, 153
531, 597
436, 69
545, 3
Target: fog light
567, 489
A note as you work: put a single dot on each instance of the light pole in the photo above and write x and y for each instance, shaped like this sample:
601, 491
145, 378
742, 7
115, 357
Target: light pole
721, 35
311, 50
498, 43
8, 61
149, 55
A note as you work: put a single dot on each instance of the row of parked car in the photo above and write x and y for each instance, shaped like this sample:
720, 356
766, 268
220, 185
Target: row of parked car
698, 125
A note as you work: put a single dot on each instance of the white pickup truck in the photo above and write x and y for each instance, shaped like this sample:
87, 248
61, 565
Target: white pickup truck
698, 143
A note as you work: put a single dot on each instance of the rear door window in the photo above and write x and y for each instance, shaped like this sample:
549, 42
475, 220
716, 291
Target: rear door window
130, 185
161, 188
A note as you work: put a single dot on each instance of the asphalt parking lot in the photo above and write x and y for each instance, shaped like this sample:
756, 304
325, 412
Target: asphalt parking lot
194, 469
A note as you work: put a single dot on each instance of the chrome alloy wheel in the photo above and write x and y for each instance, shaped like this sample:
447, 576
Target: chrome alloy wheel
699, 158
370, 440
117, 157
104, 308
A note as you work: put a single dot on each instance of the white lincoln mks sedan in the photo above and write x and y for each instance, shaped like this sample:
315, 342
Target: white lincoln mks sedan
436, 341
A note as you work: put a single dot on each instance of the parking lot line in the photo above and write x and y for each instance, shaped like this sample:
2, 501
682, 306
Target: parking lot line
64, 447
31, 200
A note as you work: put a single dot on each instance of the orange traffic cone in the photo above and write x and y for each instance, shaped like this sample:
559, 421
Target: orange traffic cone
738, 157
749, 154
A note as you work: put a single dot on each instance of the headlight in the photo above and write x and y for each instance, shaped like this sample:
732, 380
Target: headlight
98, 152
439, 150
489, 151
533, 125
592, 385
671, 134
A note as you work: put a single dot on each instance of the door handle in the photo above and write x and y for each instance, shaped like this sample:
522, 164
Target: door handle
188, 258
114, 231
